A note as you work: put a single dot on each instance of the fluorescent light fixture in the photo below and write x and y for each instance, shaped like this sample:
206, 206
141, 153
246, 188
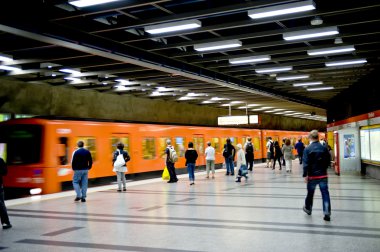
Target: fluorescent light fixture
236, 102
243, 107
274, 69
86, 3
266, 107
320, 89
278, 109
282, 9
289, 111
269, 111
218, 99
311, 33
207, 102
70, 71
292, 77
331, 50
186, 98
310, 83
5, 57
297, 113
258, 109
346, 62
218, 45
253, 105
8, 68
250, 59
72, 79
173, 26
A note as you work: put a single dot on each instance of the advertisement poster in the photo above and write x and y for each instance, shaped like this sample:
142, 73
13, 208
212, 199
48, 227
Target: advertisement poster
349, 146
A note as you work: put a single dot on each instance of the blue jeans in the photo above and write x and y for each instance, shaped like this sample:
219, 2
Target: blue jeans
80, 183
190, 170
230, 166
311, 184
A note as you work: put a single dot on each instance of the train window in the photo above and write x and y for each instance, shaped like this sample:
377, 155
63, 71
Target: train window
162, 144
233, 140
148, 147
243, 141
180, 146
257, 143
199, 144
124, 140
90, 145
215, 142
293, 141
63, 151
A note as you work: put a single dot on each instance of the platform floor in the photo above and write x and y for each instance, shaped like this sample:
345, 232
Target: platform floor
263, 214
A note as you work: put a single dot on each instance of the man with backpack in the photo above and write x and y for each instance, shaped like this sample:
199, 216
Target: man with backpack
171, 158
229, 155
3, 209
249, 153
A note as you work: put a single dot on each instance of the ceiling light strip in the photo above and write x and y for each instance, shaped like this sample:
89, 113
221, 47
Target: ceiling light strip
233, 43
173, 26
320, 89
86, 3
292, 77
346, 62
250, 59
274, 69
331, 50
311, 33
311, 83
282, 9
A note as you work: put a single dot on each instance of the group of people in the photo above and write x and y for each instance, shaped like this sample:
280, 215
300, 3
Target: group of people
315, 159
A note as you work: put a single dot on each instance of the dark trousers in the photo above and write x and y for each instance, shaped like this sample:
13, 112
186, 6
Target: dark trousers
3, 209
300, 157
311, 185
171, 170
279, 161
249, 159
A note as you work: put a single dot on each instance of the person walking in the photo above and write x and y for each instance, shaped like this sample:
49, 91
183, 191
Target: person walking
81, 164
299, 147
277, 155
191, 156
210, 160
316, 159
241, 164
229, 155
6, 224
249, 153
270, 152
287, 151
170, 162
120, 165
283, 158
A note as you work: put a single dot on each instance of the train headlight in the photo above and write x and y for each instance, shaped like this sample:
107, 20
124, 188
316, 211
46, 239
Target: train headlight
35, 191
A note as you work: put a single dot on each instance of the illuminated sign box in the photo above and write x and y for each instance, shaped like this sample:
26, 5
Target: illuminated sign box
232, 120
253, 119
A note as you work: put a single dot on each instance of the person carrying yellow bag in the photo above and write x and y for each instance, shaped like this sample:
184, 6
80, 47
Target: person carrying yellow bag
165, 174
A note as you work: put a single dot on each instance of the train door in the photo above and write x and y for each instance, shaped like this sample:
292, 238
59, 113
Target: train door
198, 141
124, 139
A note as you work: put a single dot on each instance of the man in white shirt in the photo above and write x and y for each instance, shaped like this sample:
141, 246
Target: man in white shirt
210, 160
270, 152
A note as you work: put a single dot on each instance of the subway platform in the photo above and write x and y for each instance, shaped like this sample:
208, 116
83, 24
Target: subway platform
262, 214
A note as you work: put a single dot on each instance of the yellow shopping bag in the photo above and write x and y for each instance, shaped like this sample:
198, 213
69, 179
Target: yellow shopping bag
165, 174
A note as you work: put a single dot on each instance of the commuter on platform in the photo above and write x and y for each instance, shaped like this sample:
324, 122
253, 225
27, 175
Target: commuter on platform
229, 155
249, 153
287, 150
270, 152
120, 165
300, 147
277, 155
191, 156
316, 159
81, 164
323, 142
3, 209
210, 160
283, 144
241, 164
169, 162
332, 156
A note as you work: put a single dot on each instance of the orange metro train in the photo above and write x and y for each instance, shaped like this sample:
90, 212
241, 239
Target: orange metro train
38, 151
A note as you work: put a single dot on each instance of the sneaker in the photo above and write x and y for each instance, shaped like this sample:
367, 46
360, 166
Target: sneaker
207, 177
124, 189
326, 218
307, 210
192, 183
7, 226
227, 173
119, 190
83, 200
232, 174
170, 181
280, 168
77, 199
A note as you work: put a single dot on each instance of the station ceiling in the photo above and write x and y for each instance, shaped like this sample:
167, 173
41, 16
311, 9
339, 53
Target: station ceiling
110, 49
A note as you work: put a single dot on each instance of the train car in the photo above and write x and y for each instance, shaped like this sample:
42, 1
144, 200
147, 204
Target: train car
38, 151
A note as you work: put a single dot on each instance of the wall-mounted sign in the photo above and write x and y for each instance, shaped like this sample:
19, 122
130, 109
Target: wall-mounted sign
253, 119
232, 120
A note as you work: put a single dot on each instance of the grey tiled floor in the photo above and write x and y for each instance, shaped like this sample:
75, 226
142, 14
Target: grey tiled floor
262, 214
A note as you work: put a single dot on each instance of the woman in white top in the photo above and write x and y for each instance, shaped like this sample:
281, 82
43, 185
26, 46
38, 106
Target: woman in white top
287, 150
210, 160
241, 164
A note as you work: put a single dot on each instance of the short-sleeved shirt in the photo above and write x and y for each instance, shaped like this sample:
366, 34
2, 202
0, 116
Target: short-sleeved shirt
210, 153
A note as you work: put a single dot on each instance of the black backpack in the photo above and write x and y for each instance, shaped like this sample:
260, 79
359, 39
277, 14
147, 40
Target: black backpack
249, 148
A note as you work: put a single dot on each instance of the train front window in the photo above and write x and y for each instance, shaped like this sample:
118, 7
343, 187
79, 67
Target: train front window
21, 143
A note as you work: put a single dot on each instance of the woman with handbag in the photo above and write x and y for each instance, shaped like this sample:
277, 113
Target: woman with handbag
287, 150
241, 164
120, 159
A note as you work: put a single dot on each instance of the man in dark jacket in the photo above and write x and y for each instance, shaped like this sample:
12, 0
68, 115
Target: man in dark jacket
300, 147
81, 163
229, 155
3, 209
316, 160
